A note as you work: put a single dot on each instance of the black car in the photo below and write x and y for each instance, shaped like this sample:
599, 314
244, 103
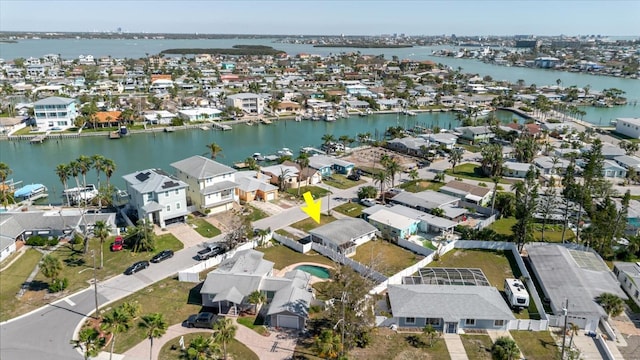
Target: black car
136, 267
203, 320
161, 256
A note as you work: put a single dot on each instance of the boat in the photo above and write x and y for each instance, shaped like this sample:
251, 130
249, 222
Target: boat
284, 152
257, 156
80, 194
265, 121
298, 118
31, 192
205, 128
123, 130
114, 135
409, 113
169, 129
329, 117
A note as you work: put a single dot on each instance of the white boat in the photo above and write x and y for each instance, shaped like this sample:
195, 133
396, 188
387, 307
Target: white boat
257, 156
80, 194
284, 152
205, 128
298, 118
329, 117
31, 192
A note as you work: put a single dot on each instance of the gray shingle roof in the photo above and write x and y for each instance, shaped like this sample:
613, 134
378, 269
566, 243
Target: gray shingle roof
426, 199
449, 302
54, 100
152, 180
342, 231
294, 298
200, 167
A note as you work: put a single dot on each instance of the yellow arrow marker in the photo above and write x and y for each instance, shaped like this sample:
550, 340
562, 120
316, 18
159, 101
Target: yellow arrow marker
313, 207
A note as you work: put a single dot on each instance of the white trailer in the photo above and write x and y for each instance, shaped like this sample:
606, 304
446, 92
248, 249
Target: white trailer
516, 293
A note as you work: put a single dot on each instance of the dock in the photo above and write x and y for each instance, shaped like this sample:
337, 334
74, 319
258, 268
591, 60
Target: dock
38, 139
265, 121
222, 127
114, 135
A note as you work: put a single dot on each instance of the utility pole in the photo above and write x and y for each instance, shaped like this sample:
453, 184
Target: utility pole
95, 282
565, 311
343, 300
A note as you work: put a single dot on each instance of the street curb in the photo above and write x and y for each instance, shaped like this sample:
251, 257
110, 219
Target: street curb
43, 306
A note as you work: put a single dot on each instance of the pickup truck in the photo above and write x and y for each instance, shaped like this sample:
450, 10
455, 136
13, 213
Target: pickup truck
209, 252
203, 320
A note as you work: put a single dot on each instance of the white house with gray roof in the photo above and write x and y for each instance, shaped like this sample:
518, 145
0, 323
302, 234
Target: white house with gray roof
344, 235
156, 196
55, 113
228, 287
515, 169
211, 185
248, 102
428, 200
628, 274
628, 162
449, 308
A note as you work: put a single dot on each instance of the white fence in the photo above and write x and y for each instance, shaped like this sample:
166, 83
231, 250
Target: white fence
530, 325
344, 260
192, 274
301, 248
486, 222
419, 249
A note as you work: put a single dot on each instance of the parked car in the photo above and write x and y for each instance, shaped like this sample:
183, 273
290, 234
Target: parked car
202, 320
368, 202
354, 176
117, 244
140, 265
161, 256
209, 252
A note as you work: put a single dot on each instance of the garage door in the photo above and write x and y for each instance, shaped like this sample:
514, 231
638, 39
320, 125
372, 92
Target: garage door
271, 196
287, 321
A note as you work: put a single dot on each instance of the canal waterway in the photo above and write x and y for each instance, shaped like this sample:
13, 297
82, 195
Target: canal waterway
36, 162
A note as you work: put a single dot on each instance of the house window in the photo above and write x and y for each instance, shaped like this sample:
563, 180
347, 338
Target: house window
166, 194
177, 205
470, 322
168, 207
410, 320
433, 321
177, 191
498, 323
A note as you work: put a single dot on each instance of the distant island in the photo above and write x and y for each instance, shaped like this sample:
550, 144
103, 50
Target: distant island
235, 50
365, 46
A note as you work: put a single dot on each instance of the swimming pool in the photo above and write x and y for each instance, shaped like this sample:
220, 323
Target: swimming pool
321, 272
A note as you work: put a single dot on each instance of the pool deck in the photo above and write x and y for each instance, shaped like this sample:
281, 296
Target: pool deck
314, 279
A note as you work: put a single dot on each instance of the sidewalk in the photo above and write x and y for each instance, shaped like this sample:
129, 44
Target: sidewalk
455, 347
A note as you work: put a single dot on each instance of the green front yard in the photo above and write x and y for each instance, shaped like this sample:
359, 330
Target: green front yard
316, 191
467, 171
419, 185
202, 226
11, 279
283, 256
256, 214
536, 345
350, 209
341, 182
385, 257
477, 346
171, 350
309, 224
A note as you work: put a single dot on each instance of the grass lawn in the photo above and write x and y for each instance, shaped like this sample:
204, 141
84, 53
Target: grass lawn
536, 345
388, 345
503, 226
552, 233
415, 186
253, 324
341, 182
282, 256
236, 349
316, 191
287, 234
477, 346
11, 280
309, 224
471, 171
169, 297
350, 209
256, 214
494, 264
203, 227
385, 257
321, 290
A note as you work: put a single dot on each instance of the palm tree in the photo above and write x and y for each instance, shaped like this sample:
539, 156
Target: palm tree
89, 341
115, 322
431, 333
282, 179
573, 329
381, 177
98, 165
303, 162
251, 163
328, 138
327, 344
256, 298
63, 172
392, 168
109, 167
612, 304
155, 326
413, 174
203, 348
214, 150
505, 349
101, 230
5, 171
84, 165
455, 156
224, 332
51, 267
262, 234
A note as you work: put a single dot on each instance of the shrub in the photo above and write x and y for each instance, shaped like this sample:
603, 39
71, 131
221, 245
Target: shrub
36, 240
58, 285
482, 184
52, 242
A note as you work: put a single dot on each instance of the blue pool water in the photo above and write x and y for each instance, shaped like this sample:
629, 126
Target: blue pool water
318, 271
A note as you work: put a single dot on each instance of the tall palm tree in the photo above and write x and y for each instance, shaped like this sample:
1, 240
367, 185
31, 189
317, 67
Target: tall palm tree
455, 156
611, 303
97, 161
303, 162
115, 322
381, 177
51, 267
573, 329
63, 172
328, 138
413, 174
5, 171
84, 165
101, 230
203, 348
224, 332
155, 326
109, 167
214, 150
392, 168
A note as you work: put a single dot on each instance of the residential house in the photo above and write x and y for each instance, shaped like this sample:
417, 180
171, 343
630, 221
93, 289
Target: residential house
284, 175
611, 169
55, 113
442, 139
199, 114
247, 102
515, 169
628, 127
344, 235
476, 134
428, 200
212, 186
156, 196
288, 107
328, 165
107, 118
628, 275
162, 117
230, 284
427, 223
569, 271
468, 192
253, 186
409, 145
628, 162
547, 166
393, 226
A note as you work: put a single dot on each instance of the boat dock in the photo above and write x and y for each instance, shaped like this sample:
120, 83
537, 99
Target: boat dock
222, 127
114, 135
38, 139
265, 121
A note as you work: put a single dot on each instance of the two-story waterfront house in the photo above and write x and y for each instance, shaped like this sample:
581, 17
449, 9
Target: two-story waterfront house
212, 186
55, 113
248, 102
156, 196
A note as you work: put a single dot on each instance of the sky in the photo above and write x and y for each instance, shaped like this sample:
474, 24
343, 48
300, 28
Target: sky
330, 17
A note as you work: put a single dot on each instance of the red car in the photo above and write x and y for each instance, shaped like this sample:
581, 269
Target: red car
117, 244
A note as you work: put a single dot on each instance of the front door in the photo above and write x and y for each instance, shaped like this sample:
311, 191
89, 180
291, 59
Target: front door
452, 328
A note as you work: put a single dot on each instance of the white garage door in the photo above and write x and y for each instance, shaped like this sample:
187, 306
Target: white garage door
271, 196
288, 321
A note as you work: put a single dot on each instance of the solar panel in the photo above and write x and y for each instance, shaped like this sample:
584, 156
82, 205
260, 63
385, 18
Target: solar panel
169, 184
143, 176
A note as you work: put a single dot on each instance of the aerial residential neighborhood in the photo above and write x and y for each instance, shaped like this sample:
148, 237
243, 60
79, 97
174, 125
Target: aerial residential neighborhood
458, 216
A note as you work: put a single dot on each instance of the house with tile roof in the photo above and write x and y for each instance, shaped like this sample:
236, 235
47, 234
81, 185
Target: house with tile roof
211, 185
